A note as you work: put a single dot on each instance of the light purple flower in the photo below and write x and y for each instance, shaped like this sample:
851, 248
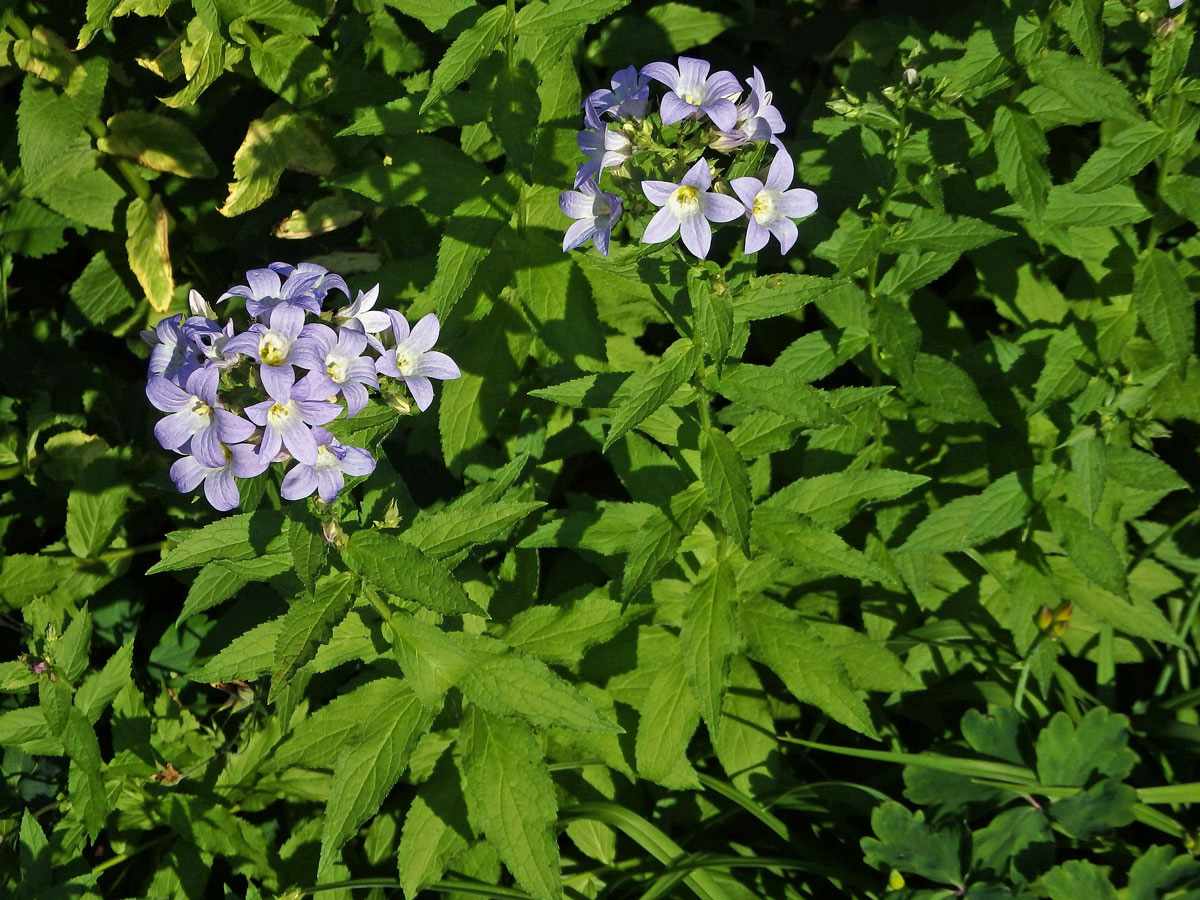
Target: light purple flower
219, 486
605, 147
336, 366
627, 99
757, 119
274, 346
688, 207
199, 306
327, 475
771, 206
412, 360
173, 356
285, 419
266, 292
195, 416
325, 282
597, 213
361, 315
694, 91
1175, 4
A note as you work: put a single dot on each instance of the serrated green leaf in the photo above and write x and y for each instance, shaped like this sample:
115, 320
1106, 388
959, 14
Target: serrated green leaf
1089, 463
1088, 547
778, 295
801, 542
54, 700
1021, 150
1090, 92
1158, 871
436, 828
1083, 24
85, 783
546, 18
1116, 205
309, 623
70, 651
652, 389
370, 762
33, 856
98, 292
658, 538
510, 799
99, 688
830, 500
944, 234
1102, 807
669, 718
95, 506
396, 566
805, 665
239, 537
433, 14
306, 543
727, 484
1065, 372
970, 521
1068, 754
1137, 469
709, 638
945, 386
1164, 306
247, 657
449, 531
778, 390
1126, 155
157, 142
467, 51
560, 634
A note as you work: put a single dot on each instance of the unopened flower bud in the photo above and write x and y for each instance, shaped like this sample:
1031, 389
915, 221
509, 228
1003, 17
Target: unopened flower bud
331, 530
911, 77
1044, 618
896, 881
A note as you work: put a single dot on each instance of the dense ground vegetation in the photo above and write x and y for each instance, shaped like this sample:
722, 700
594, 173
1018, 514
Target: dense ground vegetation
859, 566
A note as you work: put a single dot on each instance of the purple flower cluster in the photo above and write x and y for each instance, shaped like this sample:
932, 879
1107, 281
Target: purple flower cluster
236, 401
619, 124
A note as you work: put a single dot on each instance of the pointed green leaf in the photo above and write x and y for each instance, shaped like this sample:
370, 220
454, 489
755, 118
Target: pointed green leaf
436, 829
1021, 150
396, 566
467, 51
652, 389
669, 718
1126, 155
709, 638
801, 542
727, 483
371, 760
309, 623
1164, 305
510, 799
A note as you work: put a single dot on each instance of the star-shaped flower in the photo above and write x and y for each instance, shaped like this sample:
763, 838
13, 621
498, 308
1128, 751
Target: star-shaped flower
327, 475
694, 91
195, 416
412, 360
597, 213
688, 207
771, 206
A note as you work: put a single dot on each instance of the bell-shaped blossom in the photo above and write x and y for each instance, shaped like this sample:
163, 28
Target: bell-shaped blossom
597, 213
195, 416
220, 488
286, 419
327, 475
173, 355
325, 282
336, 366
687, 208
361, 315
412, 361
274, 346
757, 119
266, 292
772, 206
604, 147
628, 98
694, 91
199, 306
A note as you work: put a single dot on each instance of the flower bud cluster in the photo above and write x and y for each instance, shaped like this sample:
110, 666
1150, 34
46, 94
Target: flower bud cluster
654, 154
235, 403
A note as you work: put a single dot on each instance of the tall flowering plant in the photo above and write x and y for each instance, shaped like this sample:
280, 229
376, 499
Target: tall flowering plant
238, 402
680, 153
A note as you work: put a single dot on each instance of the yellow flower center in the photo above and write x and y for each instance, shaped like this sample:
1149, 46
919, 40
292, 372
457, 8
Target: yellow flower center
201, 409
685, 201
766, 206
278, 413
273, 348
691, 99
326, 457
406, 361
337, 369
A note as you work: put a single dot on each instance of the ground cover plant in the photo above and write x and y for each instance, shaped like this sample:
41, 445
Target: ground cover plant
593, 448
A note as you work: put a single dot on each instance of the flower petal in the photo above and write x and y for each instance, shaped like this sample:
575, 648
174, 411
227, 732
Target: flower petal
756, 237
356, 397
434, 364
658, 192
232, 429
358, 462
722, 208
798, 203
247, 462
175, 430
166, 396
696, 234
575, 204
263, 283
746, 189
672, 109
723, 113
579, 233
421, 390
662, 72
299, 440
425, 333
784, 229
299, 482
187, 474
699, 175
206, 447
779, 177
221, 490
278, 381
692, 71
662, 227
329, 484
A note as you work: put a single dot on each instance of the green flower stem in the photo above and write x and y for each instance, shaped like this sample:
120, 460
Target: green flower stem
1185, 625
130, 854
1164, 163
122, 553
